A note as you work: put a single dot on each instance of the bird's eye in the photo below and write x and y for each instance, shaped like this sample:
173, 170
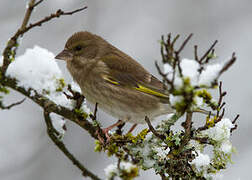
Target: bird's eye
78, 48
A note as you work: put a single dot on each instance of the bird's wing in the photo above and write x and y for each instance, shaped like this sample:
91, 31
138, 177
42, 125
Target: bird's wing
125, 71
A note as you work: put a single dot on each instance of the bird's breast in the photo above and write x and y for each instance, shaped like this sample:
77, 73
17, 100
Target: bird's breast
119, 101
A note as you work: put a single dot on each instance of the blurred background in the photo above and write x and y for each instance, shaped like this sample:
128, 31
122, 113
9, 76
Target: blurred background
26, 153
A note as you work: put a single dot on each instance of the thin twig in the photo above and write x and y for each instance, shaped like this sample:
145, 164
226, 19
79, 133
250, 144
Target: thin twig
11, 48
221, 95
174, 40
28, 14
184, 43
153, 130
162, 48
202, 140
95, 110
37, 3
208, 51
119, 128
52, 16
209, 57
196, 53
93, 116
228, 64
23, 29
233, 122
11, 105
235, 119
78, 97
51, 132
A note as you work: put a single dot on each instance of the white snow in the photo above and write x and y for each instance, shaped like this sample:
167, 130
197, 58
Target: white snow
221, 133
1, 60
167, 68
145, 152
37, 69
199, 101
168, 116
127, 166
162, 152
175, 99
75, 87
210, 74
84, 106
190, 69
112, 170
169, 71
58, 123
201, 161
221, 130
226, 147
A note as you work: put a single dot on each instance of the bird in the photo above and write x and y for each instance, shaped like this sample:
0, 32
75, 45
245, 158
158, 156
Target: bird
115, 81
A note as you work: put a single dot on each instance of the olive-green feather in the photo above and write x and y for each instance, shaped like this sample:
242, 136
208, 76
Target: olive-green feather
125, 71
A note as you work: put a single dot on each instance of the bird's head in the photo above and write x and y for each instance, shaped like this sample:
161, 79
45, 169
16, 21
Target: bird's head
81, 45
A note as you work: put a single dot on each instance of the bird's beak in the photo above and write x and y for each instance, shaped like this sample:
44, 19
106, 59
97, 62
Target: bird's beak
64, 55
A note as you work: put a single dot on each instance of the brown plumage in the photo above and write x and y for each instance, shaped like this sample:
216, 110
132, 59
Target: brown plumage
109, 77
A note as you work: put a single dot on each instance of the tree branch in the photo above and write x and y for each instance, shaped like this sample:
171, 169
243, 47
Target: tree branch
28, 13
208, 51
52, 132
10, 49
11, 105
37, 3
187, 126
151, 128
228, 64
183, 44
43, 102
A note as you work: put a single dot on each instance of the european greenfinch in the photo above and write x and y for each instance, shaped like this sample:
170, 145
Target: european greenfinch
120, 85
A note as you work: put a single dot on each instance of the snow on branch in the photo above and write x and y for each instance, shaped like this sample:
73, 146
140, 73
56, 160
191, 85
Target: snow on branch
180, 154
37, 76
172, 154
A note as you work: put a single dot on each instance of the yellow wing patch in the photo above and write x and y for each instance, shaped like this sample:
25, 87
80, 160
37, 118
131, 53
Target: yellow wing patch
139, 88
110, 80
149, 91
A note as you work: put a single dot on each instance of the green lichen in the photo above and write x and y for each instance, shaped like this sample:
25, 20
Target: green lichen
98, 146
129, 174
212, 55
140, 136
112, 149
207, 98
4, 90
81, 113
210, 122
60, 84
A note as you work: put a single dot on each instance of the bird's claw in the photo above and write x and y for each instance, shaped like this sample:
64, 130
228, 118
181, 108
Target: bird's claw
101, 138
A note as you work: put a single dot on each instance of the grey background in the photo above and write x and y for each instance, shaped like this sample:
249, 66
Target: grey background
26, 153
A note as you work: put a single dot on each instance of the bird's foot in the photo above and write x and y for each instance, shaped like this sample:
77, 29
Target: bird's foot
103, 140
105, 131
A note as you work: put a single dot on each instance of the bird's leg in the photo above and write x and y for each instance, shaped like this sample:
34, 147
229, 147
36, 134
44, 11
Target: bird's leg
106, 130
132, 128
